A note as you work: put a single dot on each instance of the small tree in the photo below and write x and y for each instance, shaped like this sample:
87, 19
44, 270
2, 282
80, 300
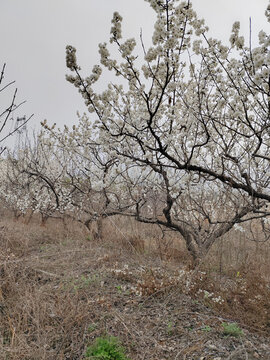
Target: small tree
89, 173
192, 121
58, 176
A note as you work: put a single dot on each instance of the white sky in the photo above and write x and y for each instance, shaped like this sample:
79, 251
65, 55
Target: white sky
34, 33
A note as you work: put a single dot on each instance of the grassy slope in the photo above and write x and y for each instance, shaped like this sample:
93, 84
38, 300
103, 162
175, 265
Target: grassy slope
60, 290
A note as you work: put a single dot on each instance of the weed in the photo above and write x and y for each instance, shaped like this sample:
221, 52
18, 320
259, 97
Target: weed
231, 329
43, 248
207, 328
92, 327
83, 282
106, 348
119, 288
170, 328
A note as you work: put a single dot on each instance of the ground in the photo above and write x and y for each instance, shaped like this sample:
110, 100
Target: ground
60, 290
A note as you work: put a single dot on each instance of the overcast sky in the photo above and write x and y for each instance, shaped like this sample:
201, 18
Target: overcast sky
34, 33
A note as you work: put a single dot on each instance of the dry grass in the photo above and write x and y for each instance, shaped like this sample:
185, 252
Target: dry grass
60, 289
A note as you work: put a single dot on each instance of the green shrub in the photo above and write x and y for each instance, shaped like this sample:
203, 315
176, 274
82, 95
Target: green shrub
106, 348
232, 329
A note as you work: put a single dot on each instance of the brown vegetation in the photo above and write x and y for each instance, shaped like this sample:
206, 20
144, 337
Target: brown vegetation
61, 288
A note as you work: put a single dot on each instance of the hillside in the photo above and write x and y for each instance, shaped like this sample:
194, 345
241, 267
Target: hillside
60, 290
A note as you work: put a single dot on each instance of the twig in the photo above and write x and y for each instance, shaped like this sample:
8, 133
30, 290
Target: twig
47, 273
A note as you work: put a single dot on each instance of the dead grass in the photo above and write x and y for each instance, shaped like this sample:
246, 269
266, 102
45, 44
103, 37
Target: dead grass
60, 289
